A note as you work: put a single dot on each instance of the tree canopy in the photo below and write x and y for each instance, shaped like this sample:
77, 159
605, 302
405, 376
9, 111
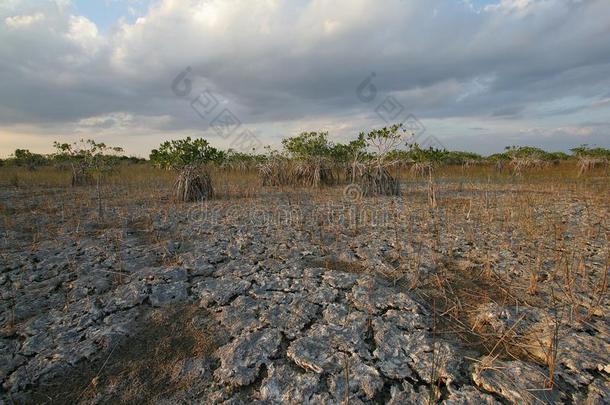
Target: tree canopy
183, 152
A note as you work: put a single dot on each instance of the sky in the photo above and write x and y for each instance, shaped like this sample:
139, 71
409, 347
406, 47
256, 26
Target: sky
473, 75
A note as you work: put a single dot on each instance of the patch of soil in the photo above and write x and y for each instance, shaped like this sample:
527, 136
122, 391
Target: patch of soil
142, 369
336, 264
456, 294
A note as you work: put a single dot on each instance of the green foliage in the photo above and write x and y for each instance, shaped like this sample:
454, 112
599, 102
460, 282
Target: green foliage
524, 151
556, 156
586, 151
87, 157
384, 141
354, 150
25, 158
519, 152
340, 153
384, 146
460, 158
240, 160
497, 157
90, 151
385, 133
307, 145
131, 160
89, 160
183, 152
418, 155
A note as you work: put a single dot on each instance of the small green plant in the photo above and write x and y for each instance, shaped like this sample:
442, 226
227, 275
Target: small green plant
352, 155
89, 160
242, 161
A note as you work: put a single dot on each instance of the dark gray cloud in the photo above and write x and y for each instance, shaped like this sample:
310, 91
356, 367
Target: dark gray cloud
285, 66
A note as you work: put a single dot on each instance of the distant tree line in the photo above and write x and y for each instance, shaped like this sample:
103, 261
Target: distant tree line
309, 159
307, 145
61, 158
176, 154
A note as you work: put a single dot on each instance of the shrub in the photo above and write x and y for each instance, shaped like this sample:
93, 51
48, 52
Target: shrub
177, 154
377, 180
312, 162
189, 157
374, 177
242, 161
590, 158
25, 158
88, 160
276, 171
192, 185
308, 145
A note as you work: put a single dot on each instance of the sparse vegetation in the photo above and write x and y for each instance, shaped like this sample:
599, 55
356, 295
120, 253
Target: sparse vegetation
193, 185
189, 157
25, 158
510, 265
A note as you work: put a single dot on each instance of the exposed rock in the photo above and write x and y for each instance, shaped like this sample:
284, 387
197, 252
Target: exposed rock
406, 394
241, 360
364, 381
393, 348
36, 344
166, 294
598, 393
516, 381
242, 315
343, 281
290, 318
221, 290
578, 351
127, 296
286, 384
467, 395
312, 354
371, 296
284, 329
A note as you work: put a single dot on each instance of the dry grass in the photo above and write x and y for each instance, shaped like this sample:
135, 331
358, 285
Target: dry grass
193, 184
538, 240
143, 368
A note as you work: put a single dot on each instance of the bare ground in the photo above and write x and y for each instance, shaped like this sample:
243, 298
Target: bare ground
486, 293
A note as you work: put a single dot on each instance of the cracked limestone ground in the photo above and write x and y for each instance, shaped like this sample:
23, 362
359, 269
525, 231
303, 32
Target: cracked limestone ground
282, 329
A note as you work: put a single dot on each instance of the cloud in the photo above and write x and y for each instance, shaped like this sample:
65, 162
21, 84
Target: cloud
22, 21
283, 66
84, 33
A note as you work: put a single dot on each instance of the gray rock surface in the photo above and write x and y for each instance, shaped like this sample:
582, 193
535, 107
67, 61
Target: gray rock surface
241, 360
286, 384
288, 324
